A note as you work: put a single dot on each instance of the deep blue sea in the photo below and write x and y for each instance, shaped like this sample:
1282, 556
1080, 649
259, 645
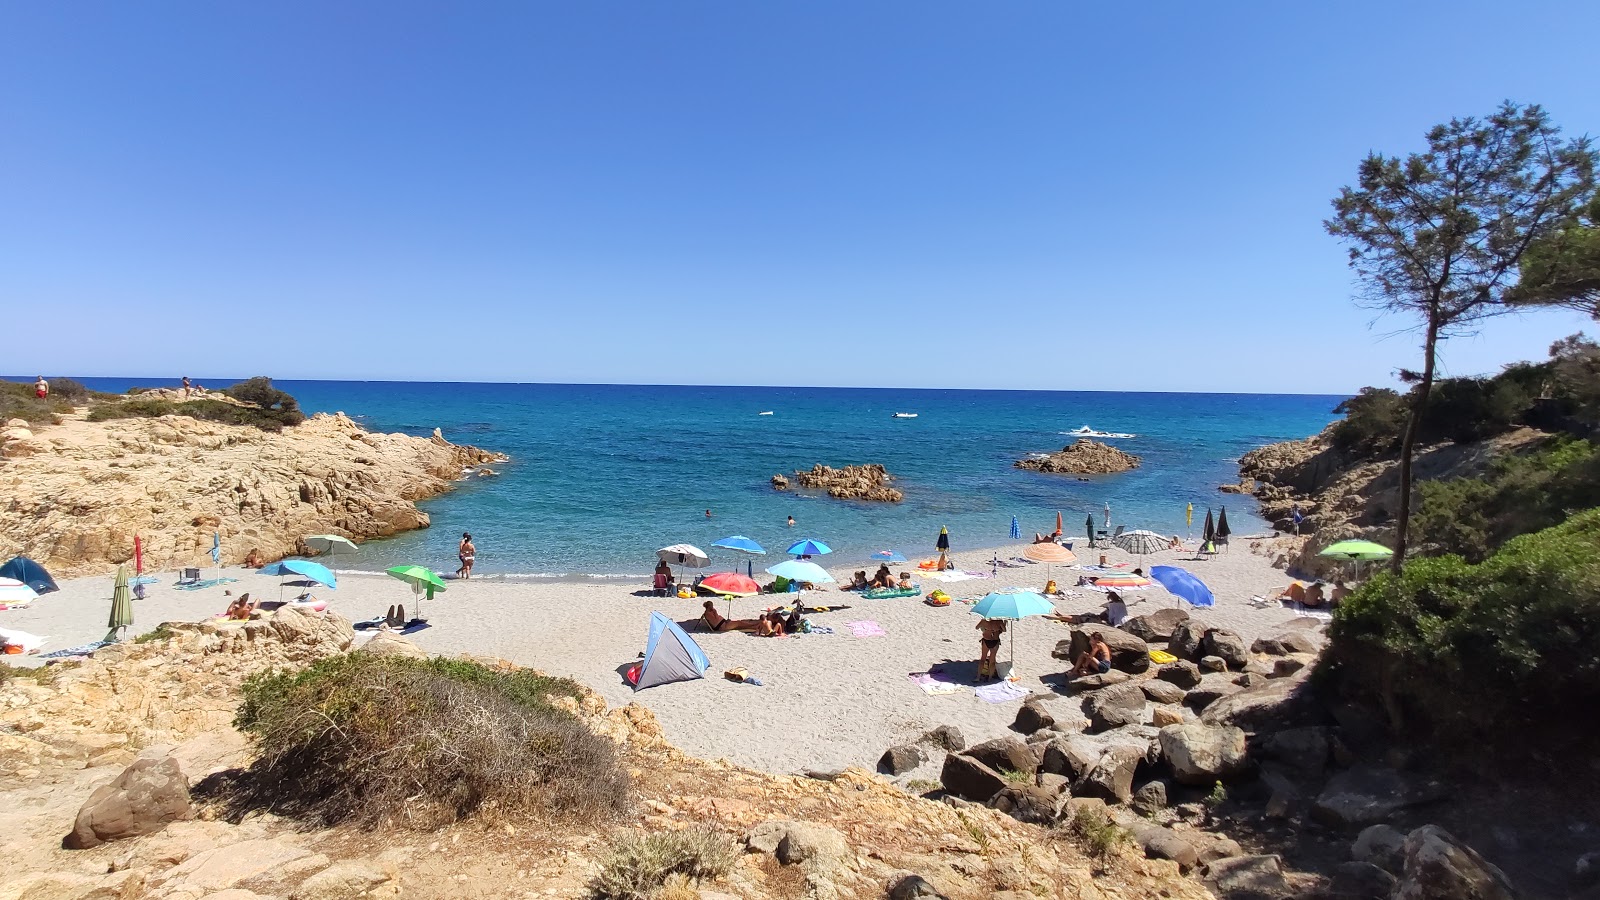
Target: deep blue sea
602, 475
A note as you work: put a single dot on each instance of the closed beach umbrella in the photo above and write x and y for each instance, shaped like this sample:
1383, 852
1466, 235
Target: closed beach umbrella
1051, 554
216, 548
1208, 533
1088, 528
802, 571
1182, 583
138, 556
1188, 518
15, 593
1140, 542
121, 604
808, 547
1016, 529
422, 580
1357, 552
1222, 525
29, 573
1058, 523
1015, 605
943, 543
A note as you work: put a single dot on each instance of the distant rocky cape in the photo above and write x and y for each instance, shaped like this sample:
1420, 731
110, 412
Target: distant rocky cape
1085, 457
867, 482
76, 494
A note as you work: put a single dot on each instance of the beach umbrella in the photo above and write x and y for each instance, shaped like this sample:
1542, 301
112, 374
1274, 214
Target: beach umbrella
1140, 543
121, 604
421, 579
943, 543
1129, 582
15, 593
30, 573
684, 556
1088, 526
216, 548
1013, 604
1016, 529
801, 570
1108, 516
1188, 518
741, 544
808, 547
1357, 552
1059, 529
1208, 533
331, 544
1051, 554
303, 567
887, 556
138, 556
730, 585
1222, 526
1182, 583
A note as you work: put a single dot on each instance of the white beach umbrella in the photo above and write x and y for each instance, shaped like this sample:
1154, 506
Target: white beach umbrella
684, 556
15, 593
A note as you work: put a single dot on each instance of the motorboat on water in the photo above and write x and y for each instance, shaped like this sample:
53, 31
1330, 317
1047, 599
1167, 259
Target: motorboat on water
905, 415
765, 413
1086, 431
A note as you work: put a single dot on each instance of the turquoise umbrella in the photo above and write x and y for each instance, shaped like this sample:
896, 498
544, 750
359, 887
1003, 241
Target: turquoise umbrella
121, 604
1014, 604
800, 570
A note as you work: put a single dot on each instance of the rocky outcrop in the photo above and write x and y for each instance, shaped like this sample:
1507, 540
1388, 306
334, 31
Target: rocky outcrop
864, 482
144, 799
1084, 457
77, 493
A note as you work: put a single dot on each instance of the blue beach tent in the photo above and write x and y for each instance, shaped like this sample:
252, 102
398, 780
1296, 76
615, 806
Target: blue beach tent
29, 573
670, 655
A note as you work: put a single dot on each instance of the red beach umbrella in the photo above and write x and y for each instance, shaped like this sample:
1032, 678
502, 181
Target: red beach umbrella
138, 556
731, 583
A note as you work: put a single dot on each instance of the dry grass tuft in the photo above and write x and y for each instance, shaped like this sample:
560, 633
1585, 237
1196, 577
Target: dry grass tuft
647, 866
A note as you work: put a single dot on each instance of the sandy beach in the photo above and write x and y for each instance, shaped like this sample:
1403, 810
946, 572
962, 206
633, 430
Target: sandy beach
827, 700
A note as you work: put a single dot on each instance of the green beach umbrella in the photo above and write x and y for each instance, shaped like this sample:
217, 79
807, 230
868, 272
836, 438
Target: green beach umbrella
121, 604
331, 544
1357, 552
421, 580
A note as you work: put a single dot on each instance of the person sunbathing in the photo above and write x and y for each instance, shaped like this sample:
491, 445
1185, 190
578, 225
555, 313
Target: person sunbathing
716, 621
1339, 593
905, 581
883, 578
858, 582
1096, 660
240, 609
771, 625
1314, 595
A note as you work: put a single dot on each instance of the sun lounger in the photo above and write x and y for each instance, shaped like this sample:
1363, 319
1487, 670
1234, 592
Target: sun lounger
188, 576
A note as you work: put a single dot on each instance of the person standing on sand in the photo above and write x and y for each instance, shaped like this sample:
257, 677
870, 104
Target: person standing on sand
467, 554
185, 387
41, 389
989, 631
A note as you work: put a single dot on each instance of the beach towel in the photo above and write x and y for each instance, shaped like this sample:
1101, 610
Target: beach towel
80, 650
1001, 692
201, 585
1319, 615
30, 643
809, 628
932, 685
891, 593
867, 628
979, 574
950, 576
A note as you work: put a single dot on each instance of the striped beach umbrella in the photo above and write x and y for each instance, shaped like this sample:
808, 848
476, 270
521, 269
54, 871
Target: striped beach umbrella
1140, 543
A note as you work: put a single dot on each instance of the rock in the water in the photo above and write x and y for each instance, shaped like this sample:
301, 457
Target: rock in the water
969, 779
1112, 777
869, 482
1033, 717
1006, 754
900, 760
945, 737
1159, 691
1156, 626
1382, 845
1115, 706
1439, 867
1200, 754
142, 800
1227, 645
1185, 643
1128, 653
1083, 457
1182, 673
1253, 877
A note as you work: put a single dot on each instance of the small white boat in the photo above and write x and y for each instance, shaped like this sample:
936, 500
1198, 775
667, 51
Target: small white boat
1086, 431
766, 413
905, 415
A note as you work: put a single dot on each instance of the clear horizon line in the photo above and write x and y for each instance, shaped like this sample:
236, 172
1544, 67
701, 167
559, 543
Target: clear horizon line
833, 387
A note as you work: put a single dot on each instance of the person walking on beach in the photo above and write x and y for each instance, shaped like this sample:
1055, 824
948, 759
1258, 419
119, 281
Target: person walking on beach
185, 387
989, 631
467, 553
41, 389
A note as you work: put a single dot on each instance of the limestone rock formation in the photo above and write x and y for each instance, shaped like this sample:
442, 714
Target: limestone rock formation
1084, 457
854, 482
77, 493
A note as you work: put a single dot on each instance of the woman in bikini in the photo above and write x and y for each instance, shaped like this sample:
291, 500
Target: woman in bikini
467, 553
989, 631
716, 621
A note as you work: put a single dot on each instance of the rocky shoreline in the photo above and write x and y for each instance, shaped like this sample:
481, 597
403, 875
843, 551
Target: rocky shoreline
1083, 457
79, 491
869, 482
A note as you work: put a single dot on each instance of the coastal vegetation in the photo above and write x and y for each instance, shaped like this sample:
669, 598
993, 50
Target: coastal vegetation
254, 402
368, 738
17, 400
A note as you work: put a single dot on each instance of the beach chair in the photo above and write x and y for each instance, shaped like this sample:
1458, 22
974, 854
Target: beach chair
662, 584
189, 576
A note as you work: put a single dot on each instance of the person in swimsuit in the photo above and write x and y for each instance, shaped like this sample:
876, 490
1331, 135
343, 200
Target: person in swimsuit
905, 581
185, 387
467, 554
41, 389
989, 631
771, 625
1097, 660
883, 578
791, 521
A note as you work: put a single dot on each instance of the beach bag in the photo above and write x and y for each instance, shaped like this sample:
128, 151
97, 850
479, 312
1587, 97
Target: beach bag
633, 673
737, 673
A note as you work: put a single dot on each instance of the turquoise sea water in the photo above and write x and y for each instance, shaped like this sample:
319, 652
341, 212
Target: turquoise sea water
600, 476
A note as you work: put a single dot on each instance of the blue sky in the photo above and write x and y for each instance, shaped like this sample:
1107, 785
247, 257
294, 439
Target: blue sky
930, 194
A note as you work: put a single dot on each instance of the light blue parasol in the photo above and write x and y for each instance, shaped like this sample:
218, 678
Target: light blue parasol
800, 570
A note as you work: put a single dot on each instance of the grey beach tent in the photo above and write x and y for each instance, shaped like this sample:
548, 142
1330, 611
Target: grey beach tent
670, 655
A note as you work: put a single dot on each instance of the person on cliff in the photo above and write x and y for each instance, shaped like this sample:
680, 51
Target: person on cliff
41, 389
989, 631
185, 387
467, 553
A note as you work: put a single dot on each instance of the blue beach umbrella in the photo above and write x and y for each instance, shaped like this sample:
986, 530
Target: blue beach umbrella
1016, 529
304, 567
800, 570
808, 547
742, 544
1182, 583
887, 556
216, 548
1014, 604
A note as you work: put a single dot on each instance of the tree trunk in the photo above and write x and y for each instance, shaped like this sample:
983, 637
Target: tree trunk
1408, 446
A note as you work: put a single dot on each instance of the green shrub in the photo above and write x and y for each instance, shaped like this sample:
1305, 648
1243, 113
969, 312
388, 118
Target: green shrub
1097, 835
637, 866
161, 632
1519, 495
138, 408
1373, 422
367, 738
1494, 658
39, 674
18, 402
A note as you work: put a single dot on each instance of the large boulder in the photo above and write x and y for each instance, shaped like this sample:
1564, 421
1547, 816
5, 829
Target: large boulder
1115, 706
1033, 717
1367, 795
945, 737
1360, 881
1128, 653
1286, 642
1183, 673
1082, 457
1212, 687
1439, 867
1303, 749
811, 842
1280, 703
1227, 645
1111, 778
900, 760
1252, 877
1006, 754
913, 887
1158, 691
1085, 683
1200, 754
1072, 755
1186, 641
142, 800
969, 779
1037, 804
1156, 626
1382, 846
388, 643
1164, 843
